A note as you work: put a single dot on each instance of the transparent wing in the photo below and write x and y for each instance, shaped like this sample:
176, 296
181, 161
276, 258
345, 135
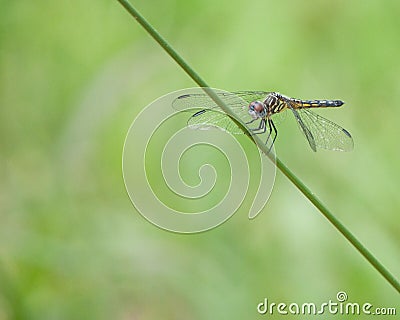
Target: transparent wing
321, 132
206, 119
203, 101
211, 115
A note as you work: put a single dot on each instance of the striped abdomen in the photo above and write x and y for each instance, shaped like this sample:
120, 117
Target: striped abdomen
317, 103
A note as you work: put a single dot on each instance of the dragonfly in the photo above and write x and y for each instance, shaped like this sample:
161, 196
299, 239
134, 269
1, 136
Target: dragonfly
267, 108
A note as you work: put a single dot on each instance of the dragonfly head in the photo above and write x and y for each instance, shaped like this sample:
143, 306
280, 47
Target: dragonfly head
256, 109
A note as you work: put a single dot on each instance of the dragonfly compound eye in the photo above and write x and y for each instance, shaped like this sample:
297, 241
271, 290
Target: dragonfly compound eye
256, 108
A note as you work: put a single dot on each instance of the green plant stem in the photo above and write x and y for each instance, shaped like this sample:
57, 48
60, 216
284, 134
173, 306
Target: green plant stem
280, 165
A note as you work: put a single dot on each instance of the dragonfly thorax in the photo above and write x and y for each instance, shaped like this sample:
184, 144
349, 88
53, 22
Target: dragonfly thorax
275, 103
257, 109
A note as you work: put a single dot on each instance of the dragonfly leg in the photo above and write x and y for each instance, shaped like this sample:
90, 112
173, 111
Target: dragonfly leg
264, 127
260, 127
271, 126
269, 132
251, 121
275, 131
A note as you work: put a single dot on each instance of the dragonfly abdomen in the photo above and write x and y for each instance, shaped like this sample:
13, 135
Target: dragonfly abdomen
317, 103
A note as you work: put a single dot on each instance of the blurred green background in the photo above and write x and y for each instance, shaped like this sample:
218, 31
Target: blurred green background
73, 76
